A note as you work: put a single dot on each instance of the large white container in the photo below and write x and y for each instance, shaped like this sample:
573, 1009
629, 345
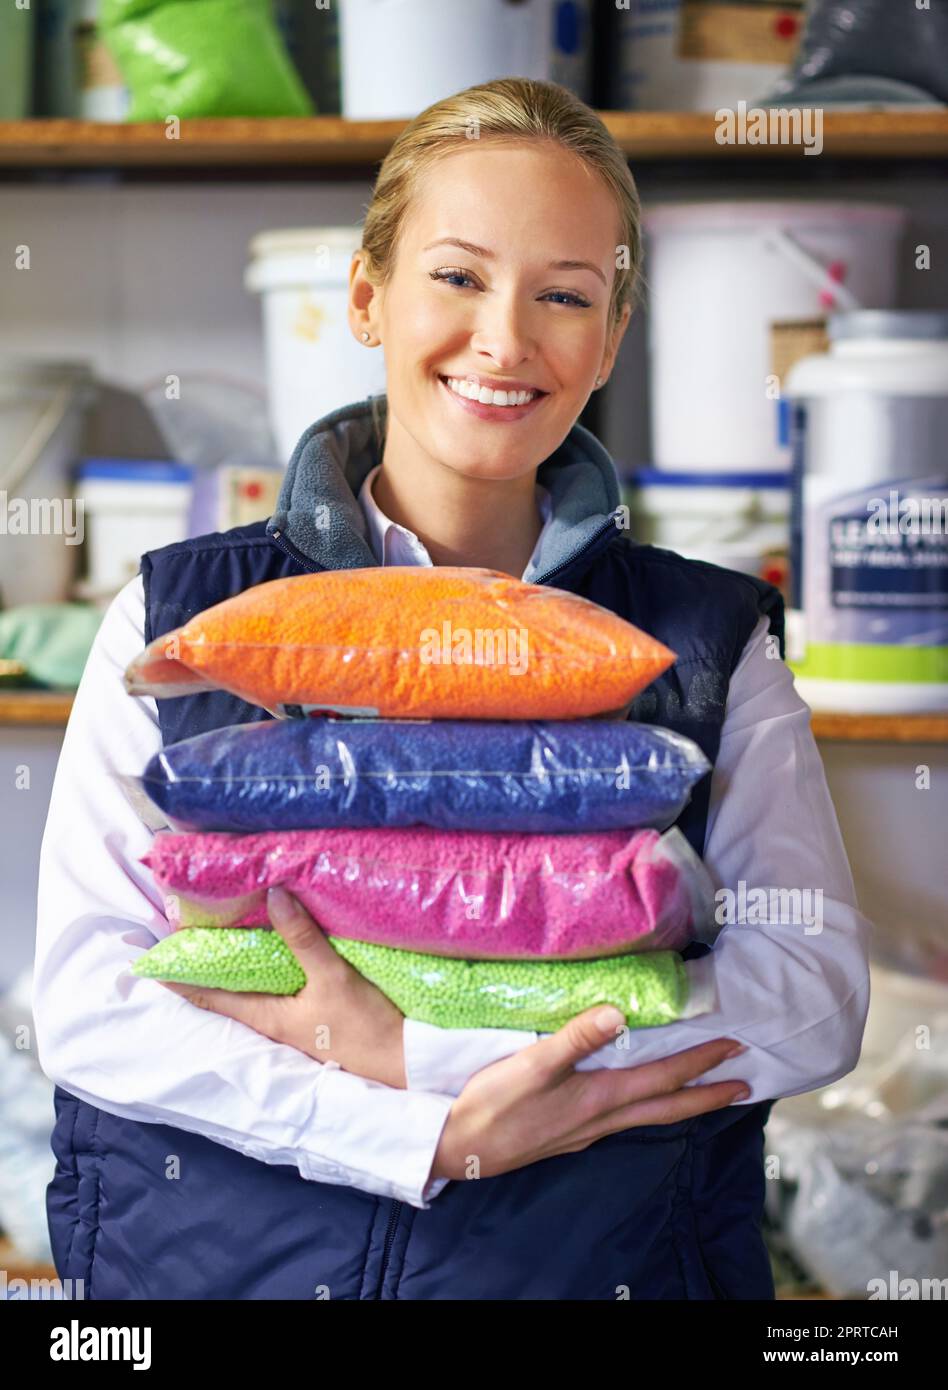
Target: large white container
399, 56
129, 506
698, 55
314, 364
737, 291
42, 408
869, 624
738, 520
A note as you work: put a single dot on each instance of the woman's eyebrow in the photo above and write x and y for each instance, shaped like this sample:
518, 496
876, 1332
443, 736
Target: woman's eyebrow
487, 255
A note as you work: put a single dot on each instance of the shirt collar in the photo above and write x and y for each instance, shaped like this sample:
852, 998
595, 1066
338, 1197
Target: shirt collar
393, 544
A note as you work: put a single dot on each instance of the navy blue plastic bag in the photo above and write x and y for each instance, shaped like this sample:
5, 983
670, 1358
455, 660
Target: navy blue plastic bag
570, 775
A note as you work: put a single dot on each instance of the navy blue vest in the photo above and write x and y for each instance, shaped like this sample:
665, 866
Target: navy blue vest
667, 1211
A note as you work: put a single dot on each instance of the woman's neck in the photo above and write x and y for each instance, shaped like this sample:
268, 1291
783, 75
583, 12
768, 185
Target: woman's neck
485, 522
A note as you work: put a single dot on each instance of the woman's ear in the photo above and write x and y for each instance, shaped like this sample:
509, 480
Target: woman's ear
615, 338
364, 303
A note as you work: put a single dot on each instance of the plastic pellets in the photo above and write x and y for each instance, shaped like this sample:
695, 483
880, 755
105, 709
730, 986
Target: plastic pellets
238, 958
471, 894
476, 774
536, 995
437, 642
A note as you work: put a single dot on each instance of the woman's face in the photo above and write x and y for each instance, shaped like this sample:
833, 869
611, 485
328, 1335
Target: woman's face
521, 305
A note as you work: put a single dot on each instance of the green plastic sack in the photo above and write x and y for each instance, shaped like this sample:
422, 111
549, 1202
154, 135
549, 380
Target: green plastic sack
538, 995
193, 58
50, 640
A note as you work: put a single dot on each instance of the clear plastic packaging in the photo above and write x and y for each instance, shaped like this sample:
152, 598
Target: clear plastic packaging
202, 58
472, 894
861, 1201
540, 996
512, 776
870, 51
404, 641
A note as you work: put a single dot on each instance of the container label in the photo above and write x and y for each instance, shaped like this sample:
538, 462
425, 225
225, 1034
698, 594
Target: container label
883, 567
743, 31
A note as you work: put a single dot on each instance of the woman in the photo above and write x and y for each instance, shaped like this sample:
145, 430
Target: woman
206, 1147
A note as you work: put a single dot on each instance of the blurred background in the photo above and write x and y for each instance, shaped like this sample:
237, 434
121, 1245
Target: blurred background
181, 190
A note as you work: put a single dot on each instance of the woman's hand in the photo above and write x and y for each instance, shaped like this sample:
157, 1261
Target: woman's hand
535, 1104
338, 1016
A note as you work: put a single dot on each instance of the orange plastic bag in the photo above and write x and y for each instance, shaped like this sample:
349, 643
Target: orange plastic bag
406, 642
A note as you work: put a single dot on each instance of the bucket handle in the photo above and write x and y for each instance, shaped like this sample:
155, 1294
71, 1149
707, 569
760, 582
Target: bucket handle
40, 435
814, 270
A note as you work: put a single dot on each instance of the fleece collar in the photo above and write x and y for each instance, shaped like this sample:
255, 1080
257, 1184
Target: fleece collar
318, 510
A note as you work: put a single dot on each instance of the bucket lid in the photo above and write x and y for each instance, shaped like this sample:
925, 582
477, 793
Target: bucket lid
922, 324
297, 241
728, 216
133, 470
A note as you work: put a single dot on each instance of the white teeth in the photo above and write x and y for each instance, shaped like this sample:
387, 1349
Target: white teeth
486, 396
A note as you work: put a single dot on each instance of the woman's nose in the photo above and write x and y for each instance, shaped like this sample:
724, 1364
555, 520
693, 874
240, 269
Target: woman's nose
503, 332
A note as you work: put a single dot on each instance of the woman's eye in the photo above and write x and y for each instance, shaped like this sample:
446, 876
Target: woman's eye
449, 275
569, 297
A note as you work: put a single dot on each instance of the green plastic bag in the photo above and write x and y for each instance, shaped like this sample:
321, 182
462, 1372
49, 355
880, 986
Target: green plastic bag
539, 995
193, 58
51, 641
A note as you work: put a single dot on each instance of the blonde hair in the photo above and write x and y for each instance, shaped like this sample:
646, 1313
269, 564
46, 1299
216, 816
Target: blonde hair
515, 108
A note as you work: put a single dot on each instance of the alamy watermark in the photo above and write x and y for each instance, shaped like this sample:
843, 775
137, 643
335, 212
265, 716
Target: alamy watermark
42, 516
775, 125
895, 515
479, 646
760, 907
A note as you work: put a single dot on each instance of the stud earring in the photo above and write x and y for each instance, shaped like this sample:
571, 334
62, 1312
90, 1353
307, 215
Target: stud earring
598, 380
365, 337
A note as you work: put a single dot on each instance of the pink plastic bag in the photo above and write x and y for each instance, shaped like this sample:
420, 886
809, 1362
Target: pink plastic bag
477, 895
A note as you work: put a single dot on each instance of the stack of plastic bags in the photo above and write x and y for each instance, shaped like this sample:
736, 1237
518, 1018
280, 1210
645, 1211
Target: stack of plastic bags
449, 803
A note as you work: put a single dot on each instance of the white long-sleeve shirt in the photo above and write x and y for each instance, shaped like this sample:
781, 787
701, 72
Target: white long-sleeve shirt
797, 998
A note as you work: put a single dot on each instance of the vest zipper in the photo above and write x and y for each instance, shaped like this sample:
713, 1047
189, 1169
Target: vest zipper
389, 1242
570, 559
290, 549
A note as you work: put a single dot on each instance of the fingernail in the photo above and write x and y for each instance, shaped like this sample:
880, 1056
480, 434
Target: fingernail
278, 897
735, 1051
742, 1093
609, 1019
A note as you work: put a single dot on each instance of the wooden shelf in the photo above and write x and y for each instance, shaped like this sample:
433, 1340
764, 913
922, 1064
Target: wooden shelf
35, 707
325, 141
880, 728
18, 1266
52, 708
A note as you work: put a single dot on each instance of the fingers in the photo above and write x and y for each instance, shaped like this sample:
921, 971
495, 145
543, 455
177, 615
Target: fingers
302, 934
578, 1038
665, 1110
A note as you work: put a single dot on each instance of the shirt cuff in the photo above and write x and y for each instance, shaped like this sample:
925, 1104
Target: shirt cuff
383, 1139
443, 1060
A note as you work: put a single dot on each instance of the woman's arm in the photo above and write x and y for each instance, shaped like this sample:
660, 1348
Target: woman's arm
797, 996
130, 1046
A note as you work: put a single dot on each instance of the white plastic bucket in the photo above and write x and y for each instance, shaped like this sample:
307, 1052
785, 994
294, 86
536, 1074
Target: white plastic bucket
42, 406
699, 55
738, 520
868, 629
738, 292
314, 364
399, 56
129, 506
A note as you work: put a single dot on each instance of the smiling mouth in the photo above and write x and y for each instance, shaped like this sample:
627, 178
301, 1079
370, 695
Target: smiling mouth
493, 402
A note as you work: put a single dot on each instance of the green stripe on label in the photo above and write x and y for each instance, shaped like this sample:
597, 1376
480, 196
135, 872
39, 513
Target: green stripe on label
870, 661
